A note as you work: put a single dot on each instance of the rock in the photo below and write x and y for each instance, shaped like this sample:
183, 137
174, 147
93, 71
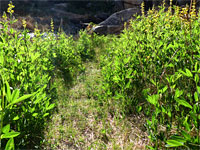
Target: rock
198, 3
132, 3
62, 6
101, 16
69, 15
120, 17
118, 5
115, 23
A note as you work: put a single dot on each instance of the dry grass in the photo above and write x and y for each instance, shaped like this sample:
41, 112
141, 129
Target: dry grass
81, 124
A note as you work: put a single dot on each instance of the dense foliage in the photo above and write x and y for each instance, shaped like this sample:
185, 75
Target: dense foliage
154, 67
28, 67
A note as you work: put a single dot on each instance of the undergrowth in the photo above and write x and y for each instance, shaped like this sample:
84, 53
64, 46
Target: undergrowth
154, 68
100, 85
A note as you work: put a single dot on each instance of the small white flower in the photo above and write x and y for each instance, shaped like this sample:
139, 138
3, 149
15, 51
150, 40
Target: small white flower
18, 60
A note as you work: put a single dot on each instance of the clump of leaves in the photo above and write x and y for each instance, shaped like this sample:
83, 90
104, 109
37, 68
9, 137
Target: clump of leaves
154, 67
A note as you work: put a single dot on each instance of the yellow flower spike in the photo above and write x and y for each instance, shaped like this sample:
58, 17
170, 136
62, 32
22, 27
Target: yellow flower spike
193, 11
170, 6
24, 23
52, 25
142, 8
36, 30
163, 3
10, 8
177, 10
4, 16
194, 5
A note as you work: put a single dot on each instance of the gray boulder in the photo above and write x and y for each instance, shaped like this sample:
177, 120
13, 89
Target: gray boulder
115, 23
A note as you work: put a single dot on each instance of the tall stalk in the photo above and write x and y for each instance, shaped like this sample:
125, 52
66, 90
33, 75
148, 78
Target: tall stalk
2, 111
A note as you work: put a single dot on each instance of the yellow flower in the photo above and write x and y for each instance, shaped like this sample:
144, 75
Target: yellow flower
4, 16
142, 8
52, 25
167, 25
36, 31
10, 8
24, 23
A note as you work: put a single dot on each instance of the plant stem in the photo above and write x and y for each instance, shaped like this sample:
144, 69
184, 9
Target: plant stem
2, 112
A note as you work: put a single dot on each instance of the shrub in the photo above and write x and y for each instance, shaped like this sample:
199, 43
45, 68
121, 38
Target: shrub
26, 64
154, 67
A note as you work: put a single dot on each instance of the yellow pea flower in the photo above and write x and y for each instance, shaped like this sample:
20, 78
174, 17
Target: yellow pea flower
52, 25
24, 23
4, 16
10, 8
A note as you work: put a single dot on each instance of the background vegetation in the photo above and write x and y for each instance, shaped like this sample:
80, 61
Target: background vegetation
97, 84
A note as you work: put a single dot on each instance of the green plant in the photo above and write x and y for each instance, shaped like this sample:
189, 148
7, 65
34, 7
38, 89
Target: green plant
27, 65
153, 67
8, 101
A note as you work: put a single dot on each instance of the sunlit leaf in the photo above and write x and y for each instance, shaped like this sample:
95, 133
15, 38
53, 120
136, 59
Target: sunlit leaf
6, 128
10, 135
184, 103
10, 144
21, 99
174, 143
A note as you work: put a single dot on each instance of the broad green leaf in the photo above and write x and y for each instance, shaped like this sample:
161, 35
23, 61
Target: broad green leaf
170, 65
50, 107
184, 103
198, 89
174, 143
1, 58
196, 65
46, 114
196, 97
152, 81
15, 95
126, 60
6, 128
163, 110
10, 144
196, 78
185, 135
189, 74
139, 108
178, 138
153, 99
186, 124
178, 93
169, 113
128, 85
10, 135
163, 89
35, 114
182, 72
16, 118
21, 99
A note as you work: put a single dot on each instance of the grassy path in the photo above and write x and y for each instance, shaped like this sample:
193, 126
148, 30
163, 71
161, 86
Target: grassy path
80, 124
